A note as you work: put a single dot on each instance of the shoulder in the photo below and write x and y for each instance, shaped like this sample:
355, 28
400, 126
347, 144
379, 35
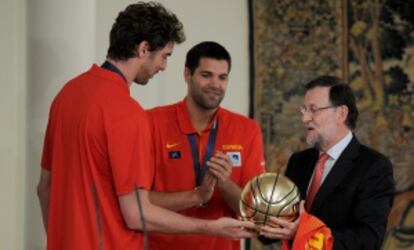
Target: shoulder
122, 104
369, 152
362, 153
163, 116
306, 154
303, 157
300, 165
370, 156
238, 120
374, 168
161, 111
367, 164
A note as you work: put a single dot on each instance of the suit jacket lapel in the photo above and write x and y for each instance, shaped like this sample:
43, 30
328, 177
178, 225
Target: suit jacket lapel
303, 174
338, 172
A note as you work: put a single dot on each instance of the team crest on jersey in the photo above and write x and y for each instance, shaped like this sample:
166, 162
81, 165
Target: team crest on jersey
235, 158
174, 154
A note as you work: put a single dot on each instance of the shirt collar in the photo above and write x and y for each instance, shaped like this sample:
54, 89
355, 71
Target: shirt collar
335, 151
184, 120
109, 75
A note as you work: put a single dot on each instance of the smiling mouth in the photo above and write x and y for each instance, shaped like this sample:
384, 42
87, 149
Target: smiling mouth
213, 94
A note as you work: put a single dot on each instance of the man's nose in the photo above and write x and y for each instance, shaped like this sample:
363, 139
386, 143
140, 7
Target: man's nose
163, 66
306, 117
216, 83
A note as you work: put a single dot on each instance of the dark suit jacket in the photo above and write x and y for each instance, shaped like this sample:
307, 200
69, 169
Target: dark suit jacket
355, 198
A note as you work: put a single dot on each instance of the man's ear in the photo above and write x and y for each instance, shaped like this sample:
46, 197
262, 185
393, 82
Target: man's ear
187, 74
142, 49
343, 113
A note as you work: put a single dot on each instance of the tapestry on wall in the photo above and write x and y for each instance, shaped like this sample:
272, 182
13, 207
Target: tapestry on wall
370, 44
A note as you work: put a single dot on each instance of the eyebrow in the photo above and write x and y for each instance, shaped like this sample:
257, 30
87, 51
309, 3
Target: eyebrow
211, 72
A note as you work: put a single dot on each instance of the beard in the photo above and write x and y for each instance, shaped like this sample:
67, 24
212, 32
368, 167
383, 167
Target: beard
322, 138
146, 73
141, 80
205, 101
314, 140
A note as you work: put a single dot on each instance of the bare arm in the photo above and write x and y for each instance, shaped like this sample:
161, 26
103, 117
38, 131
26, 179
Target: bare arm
163, 220
175, 201
178, 201
231, 194
220, 166
43, 192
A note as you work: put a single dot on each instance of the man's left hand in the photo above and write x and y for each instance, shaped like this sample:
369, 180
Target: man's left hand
220, 166
287, 229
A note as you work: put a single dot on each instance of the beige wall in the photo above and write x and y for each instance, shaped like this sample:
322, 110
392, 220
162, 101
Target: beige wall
12, 132
61, 43
223, 21
46, 42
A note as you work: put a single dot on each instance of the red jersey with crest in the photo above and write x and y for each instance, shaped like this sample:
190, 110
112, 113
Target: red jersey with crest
237, 136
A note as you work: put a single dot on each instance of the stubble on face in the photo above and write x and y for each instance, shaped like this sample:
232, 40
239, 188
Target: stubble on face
314, 140
207, 84
141, 81
207, 98
144, 75
156, 61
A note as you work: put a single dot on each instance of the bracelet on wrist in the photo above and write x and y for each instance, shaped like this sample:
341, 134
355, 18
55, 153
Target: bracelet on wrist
201, 204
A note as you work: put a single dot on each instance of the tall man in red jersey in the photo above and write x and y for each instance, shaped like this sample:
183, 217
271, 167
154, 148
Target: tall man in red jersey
203, 153
97, 163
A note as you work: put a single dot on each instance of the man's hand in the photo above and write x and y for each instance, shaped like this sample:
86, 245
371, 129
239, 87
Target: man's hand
232, 228
206, 190
220, 166
287, 229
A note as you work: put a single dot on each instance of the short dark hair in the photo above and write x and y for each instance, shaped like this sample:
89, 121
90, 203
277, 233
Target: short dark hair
206, 49
340, 93
140, 22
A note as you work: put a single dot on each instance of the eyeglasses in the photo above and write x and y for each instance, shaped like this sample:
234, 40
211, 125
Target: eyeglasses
312, 110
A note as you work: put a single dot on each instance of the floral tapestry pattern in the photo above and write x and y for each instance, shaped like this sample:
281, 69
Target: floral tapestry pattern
370, 44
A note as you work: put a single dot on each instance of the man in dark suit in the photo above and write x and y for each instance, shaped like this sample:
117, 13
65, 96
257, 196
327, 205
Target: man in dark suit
354, 186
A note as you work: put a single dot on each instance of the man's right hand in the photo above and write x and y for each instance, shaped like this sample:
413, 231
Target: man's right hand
206, 190
232, 228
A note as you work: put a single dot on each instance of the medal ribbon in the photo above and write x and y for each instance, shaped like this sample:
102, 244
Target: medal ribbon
109, 66
199, 169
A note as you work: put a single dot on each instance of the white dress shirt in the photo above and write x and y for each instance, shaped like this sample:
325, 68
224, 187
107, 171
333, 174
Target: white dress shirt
334, 152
